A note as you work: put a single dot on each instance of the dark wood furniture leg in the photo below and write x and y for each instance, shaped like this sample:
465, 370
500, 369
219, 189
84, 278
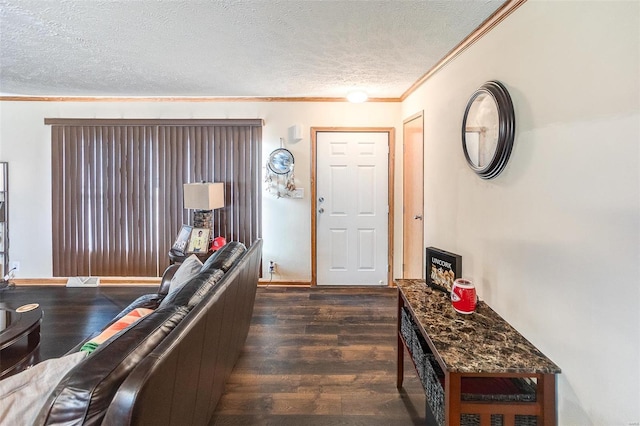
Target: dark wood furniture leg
546, 393
453, 389
400, 360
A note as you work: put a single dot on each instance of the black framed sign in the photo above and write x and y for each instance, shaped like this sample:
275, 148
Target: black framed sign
443, 268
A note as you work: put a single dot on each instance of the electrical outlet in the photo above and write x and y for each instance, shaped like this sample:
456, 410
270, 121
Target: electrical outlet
272, 267
15, 265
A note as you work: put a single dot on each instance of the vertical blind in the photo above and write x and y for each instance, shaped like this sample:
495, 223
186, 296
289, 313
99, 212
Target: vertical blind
117, 189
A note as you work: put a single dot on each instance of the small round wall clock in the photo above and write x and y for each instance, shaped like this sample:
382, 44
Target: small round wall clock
280, 161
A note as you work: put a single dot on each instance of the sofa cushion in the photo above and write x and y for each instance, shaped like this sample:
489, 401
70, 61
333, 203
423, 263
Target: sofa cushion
84, 394
224, 258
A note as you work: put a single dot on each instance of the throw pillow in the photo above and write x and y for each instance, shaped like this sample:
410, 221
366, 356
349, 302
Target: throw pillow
189, 269
124, 322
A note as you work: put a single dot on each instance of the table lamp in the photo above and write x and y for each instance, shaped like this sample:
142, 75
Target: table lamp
203, 198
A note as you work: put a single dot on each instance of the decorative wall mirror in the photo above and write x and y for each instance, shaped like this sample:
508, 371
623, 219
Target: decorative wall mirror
488, 129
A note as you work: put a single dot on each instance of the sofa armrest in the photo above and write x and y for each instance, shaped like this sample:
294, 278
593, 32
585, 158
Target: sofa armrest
166, 279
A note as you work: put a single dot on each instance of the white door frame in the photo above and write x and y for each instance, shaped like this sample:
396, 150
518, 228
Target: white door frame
314, 194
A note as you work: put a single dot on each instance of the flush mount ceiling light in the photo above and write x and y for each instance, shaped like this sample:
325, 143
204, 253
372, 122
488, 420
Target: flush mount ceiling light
357, 96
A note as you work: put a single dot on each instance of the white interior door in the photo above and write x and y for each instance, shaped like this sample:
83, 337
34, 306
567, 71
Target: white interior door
352, 208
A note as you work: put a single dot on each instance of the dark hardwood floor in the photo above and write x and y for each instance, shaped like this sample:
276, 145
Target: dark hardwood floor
71, 314
320, 356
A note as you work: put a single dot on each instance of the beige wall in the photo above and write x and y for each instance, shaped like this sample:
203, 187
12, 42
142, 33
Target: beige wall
25, 143
553, 242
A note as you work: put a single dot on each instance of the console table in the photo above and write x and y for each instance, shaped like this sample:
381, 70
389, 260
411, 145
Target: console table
476, 369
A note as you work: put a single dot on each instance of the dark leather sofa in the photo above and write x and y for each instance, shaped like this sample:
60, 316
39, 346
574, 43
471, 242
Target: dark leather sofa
171, 366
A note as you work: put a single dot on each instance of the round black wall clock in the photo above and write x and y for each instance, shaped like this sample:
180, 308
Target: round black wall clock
488, 129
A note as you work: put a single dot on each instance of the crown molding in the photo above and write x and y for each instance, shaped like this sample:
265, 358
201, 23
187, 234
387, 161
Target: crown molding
498, 16
12, 98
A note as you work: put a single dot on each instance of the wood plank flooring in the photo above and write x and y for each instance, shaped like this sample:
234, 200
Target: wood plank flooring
320, 356
71, 314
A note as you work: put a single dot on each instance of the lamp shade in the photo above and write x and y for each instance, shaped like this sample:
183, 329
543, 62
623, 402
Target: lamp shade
203, 196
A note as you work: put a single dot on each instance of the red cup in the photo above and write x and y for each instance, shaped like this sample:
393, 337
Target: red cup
463, 296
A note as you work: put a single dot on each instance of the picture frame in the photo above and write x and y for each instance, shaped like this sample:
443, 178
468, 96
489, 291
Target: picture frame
442, 269
199, 240
180, 244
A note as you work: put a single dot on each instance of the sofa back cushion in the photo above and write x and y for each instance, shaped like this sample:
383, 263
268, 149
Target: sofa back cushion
84, 394
192, 292
224, 258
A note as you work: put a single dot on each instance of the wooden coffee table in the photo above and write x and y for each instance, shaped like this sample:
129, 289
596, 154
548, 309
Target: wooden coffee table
19, 337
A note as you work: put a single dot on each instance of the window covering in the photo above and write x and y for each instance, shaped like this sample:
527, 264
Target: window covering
117, 189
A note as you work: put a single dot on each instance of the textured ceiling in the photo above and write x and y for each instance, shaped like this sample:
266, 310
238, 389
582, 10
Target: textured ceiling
253, 48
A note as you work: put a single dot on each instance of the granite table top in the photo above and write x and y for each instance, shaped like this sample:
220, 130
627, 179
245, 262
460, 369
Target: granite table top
481, 342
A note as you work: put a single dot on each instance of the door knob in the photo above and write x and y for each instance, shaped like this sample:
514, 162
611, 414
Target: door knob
320, 210
418, 216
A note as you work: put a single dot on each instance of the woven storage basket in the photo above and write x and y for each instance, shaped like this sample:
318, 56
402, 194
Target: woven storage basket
497, 420
432, 382
418, 342
504, 390
420, 357
406, 329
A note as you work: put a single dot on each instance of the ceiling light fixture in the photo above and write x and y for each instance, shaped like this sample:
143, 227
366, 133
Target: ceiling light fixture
357, 96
